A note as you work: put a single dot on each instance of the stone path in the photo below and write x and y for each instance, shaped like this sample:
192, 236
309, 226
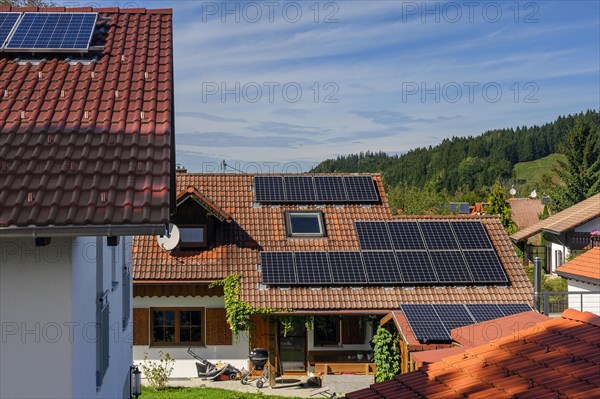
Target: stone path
339, 384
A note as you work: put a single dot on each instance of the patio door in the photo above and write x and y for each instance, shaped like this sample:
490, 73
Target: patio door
292, 348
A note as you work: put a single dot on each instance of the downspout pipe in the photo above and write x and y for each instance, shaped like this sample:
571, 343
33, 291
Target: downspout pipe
537, 282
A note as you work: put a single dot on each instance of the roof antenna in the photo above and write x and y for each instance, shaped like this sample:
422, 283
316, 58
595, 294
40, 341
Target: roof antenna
224, 166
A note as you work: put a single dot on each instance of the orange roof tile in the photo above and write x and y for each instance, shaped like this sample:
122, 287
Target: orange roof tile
586, 266
90, 143
479, 334
568, 219
258, 228
525, 211
552, 359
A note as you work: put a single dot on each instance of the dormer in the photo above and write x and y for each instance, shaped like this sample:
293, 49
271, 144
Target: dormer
198, 219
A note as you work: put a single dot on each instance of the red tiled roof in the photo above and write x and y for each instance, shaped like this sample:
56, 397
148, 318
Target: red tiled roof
262, 228
561, 222
555, 358
586, 265
90, 143
525, 211
484, 332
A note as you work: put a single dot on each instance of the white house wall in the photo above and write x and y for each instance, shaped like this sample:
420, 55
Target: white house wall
591, 302
35, 313
185, 366
116, 381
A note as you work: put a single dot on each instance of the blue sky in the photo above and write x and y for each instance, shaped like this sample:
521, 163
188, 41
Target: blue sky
283, 85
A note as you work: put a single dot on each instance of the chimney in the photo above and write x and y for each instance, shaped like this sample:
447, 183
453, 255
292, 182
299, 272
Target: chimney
180, 168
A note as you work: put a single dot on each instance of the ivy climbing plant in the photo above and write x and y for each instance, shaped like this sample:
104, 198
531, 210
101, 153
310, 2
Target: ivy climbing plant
237, 311
386, 354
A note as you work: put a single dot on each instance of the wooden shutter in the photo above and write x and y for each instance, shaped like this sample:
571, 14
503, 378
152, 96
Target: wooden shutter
353, 330
218, 331
141, 326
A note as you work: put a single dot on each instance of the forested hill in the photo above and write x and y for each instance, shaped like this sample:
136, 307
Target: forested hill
462, 163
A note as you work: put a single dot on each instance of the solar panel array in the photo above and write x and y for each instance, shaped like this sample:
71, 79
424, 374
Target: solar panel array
458, 252
395, 253
46, 31
432, 323
8, 21
315, 189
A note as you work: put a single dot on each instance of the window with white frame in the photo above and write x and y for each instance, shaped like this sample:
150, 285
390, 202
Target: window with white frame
305, 224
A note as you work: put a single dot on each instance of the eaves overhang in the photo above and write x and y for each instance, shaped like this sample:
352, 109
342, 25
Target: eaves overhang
81, 231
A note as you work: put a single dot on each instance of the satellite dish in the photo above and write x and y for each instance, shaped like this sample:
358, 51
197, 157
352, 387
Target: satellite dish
170, 240
513, 191
533, 194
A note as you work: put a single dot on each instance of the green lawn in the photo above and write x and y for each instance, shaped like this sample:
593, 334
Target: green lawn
532, 173
201, 393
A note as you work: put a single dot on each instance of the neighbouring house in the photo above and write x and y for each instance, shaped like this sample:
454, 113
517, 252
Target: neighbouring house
525, 212
565, 232
86, 161
554, 358
323, 247
583, 275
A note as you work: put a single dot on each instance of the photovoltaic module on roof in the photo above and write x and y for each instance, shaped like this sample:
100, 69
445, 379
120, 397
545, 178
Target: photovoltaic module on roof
433, 322
47, 31
8, 20
305, 189
395, 253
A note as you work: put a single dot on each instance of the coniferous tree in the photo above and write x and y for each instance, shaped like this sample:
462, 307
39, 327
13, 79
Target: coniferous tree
580, 172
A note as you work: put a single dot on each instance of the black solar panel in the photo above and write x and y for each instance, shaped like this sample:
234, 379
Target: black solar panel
427, 331
424, 323
471, 235
330, 189
312, 268
406, 235
485, 267
484, 311
361, 189
513, 308
53, 32
438, 235
299, 189
373, 236
450, 267
416, 267
347, 268
414, 312
269, 188
453, 316
464, 208
278, 268
7, 23
381, 267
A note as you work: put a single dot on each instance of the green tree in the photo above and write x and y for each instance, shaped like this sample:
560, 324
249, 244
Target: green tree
412, 200
580, 173
499, 206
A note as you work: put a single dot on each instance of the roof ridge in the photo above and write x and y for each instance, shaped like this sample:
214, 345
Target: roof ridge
583, 317
89, 9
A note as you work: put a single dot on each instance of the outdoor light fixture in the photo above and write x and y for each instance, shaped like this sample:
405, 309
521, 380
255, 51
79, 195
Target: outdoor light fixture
136, 381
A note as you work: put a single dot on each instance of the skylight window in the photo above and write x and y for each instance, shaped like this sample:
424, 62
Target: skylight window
305, 224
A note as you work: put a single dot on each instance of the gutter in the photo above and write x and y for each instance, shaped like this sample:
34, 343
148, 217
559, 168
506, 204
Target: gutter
81, 231
584, 279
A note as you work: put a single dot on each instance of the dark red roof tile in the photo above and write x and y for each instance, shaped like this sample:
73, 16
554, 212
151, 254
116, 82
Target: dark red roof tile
71, 134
